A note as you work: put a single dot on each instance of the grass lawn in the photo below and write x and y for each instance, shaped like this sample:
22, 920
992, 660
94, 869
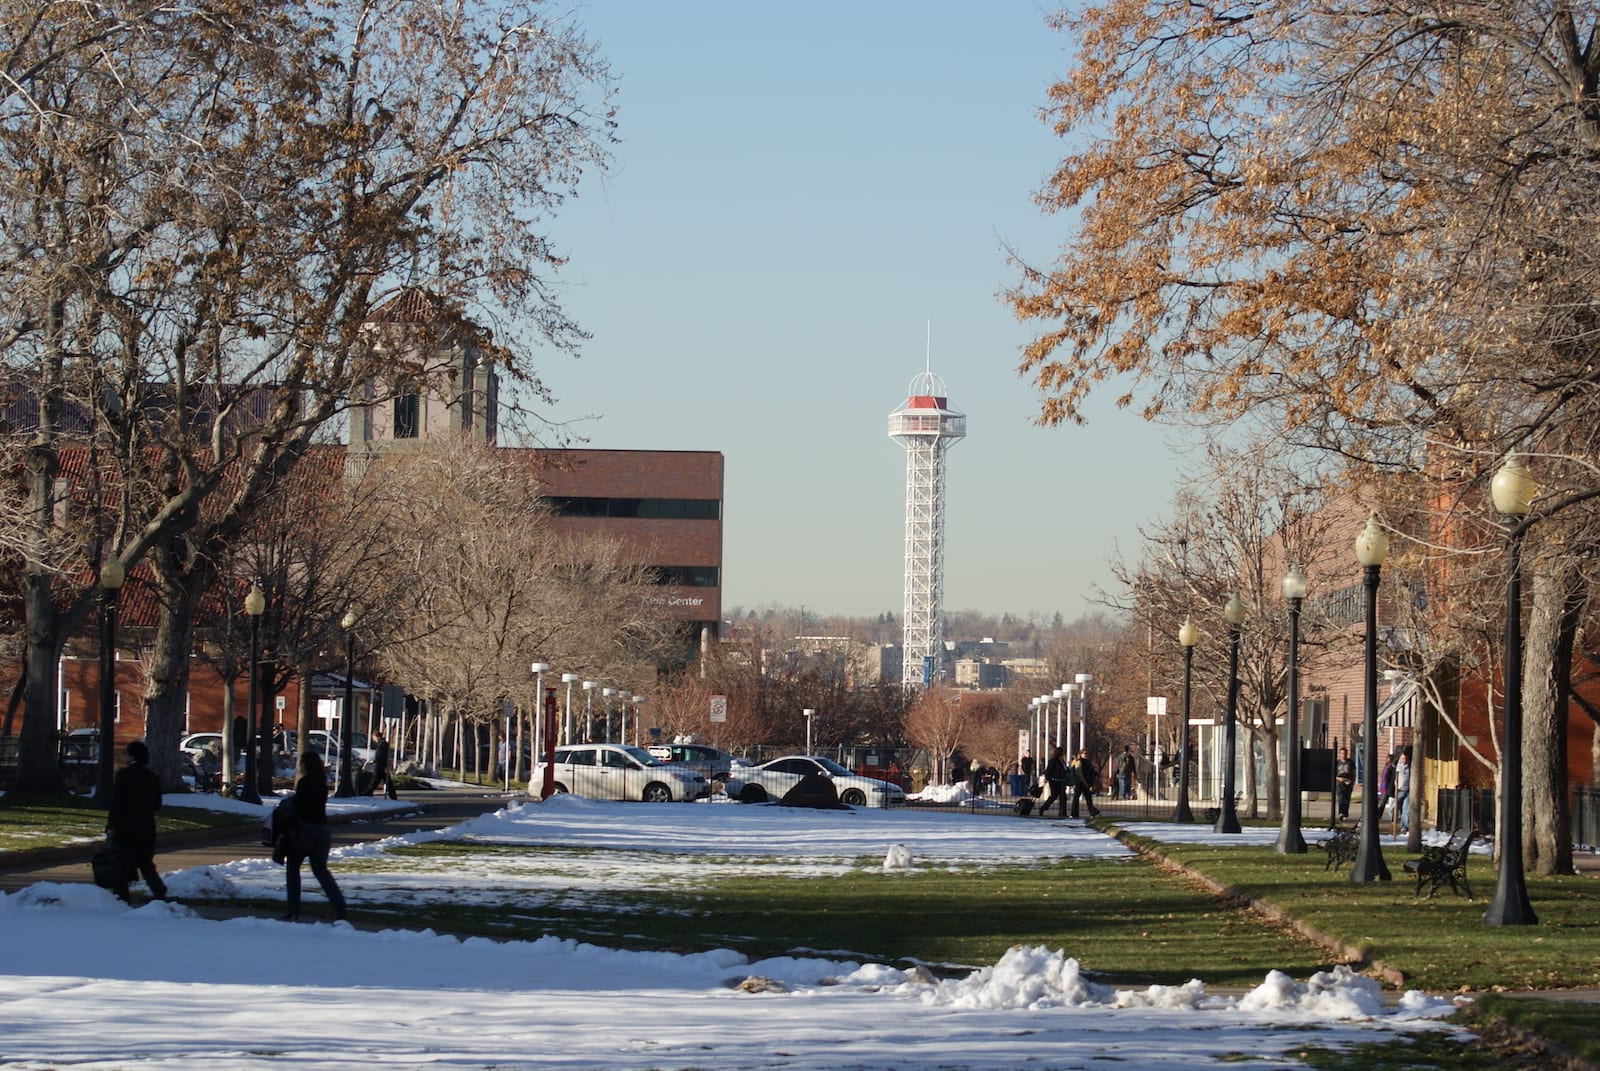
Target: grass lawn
48, 821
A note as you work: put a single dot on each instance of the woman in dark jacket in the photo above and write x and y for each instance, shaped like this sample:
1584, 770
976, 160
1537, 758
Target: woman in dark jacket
312, 838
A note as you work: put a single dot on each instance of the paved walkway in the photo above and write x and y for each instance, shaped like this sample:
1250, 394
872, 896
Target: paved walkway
435, 809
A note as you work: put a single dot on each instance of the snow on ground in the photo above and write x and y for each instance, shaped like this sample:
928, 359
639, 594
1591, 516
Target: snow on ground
164, 988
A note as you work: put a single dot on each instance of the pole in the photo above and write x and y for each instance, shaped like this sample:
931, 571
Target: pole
1290, 840
251, 792
1182, 813
548, 789
1510, 906
1369, 864
346, 787
107, 755
1228, 816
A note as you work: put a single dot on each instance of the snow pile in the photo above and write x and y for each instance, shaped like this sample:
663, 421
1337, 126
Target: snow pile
898, 858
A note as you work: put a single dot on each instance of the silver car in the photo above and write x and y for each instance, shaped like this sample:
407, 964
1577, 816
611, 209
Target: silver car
756, 784
619, 772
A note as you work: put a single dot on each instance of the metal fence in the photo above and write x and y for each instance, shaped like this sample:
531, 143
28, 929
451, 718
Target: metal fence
1462, 809
1586, 816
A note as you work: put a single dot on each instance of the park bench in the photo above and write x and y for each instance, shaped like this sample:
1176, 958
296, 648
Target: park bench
1341, 848
1444, 863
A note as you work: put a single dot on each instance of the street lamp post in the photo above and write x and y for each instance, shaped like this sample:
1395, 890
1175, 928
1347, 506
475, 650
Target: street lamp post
254, 603
1372, 547
111, 577
569, 679
637, 738
588, 710
1513, 491
1228, 815
1083, 680
1290, 841
807, 713
346, 786
544, 749
1059, 697
1188, 636
606, 694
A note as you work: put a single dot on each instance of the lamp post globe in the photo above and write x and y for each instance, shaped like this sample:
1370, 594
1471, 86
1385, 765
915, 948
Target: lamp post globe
112, 576
1290, 840
1188, 636
346, 779
1372, 549
1513, 491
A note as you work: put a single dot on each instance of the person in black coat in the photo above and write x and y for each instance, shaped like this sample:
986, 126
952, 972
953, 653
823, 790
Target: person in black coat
311, 837
1057, 777
1084, 778
131, 823
380, 767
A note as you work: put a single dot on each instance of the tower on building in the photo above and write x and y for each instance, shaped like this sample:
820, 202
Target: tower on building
927, 427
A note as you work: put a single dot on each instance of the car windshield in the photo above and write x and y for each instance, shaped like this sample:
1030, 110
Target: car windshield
644, 756
829, 765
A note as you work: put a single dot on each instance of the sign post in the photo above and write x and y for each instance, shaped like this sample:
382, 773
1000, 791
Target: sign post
719, 714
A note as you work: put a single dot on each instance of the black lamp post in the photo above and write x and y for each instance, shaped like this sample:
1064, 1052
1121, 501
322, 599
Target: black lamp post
1228, 815
1372, 547
1513, 491
111, 577
254, 604
346, 787
1188, 636
1290, 842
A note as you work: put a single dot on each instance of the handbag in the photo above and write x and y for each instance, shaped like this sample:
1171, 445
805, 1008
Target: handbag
112, 866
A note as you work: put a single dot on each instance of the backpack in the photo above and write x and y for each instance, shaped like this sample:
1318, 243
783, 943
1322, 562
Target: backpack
279, 827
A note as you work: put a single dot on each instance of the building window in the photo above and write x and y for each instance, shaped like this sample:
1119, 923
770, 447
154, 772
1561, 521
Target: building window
407, 414
669, 509
686, 576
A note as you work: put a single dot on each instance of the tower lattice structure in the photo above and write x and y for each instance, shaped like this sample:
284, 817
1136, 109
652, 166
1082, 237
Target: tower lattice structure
927, 427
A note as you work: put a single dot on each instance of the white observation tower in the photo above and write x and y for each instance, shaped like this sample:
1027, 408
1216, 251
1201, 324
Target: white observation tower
926, 426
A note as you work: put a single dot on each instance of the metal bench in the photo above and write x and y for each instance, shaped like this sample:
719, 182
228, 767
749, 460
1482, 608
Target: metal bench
1444, 863
1341, 848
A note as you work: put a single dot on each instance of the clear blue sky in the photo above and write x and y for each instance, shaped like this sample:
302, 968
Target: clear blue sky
799, 190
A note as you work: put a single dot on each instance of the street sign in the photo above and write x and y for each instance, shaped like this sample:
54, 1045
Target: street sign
719, 708
1155, 705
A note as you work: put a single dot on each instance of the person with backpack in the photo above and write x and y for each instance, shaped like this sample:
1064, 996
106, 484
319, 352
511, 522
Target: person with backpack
131, 821
311, 838
380, 767
1057, 776
1084, 775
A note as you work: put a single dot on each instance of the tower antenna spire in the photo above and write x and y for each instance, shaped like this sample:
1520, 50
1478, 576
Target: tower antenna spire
927, 352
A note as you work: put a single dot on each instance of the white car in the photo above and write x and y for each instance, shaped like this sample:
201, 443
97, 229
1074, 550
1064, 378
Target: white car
619, 772
756, 784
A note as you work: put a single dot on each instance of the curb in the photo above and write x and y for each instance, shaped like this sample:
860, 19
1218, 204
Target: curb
1348, 953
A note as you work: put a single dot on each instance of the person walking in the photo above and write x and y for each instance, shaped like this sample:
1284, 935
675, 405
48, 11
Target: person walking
1344, 777
1385, 790
380, 768
1056, 775
1084, 777
131, 821
1402, 792
311, 837
1127, 772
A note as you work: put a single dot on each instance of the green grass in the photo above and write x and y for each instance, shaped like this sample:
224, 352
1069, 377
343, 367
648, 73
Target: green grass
1438, 944
48, 821
1123, 919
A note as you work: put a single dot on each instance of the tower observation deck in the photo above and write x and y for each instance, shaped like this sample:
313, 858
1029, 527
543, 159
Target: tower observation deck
927, 427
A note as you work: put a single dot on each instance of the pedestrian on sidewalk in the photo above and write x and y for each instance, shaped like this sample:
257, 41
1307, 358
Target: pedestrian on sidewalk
381, 768
131, 821
312, 837
1344, 776
1056, 775
1084, 777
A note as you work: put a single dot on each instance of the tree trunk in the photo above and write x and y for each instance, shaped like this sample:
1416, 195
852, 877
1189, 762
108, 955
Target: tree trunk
166, 691
1546, 682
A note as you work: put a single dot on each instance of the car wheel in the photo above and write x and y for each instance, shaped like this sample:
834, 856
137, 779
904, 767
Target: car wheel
656, 792
853, 797
752, 794
559, 787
